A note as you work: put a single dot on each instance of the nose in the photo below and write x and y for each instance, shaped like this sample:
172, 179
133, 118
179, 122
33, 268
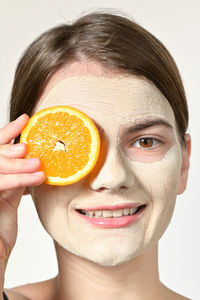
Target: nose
113, 174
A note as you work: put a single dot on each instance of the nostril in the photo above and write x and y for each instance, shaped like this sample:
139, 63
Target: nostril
104, 188
123, 187
101, 189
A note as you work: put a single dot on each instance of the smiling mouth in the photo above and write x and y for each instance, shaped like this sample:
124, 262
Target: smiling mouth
107, 213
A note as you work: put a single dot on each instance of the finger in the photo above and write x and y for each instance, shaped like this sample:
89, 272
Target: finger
13, 129
14, 150
12, 165
12, 181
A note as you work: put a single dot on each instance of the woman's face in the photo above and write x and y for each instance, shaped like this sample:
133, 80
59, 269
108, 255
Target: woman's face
125, 109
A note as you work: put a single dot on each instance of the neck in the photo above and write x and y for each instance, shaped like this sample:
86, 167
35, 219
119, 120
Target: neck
81, 279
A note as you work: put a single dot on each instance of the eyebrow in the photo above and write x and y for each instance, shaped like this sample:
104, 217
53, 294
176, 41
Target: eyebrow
146, 124
140, 125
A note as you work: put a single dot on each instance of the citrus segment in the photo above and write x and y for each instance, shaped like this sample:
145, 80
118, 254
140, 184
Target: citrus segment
66, 141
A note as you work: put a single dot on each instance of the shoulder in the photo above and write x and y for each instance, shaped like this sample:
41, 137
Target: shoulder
43, 290
179, 297
171, 295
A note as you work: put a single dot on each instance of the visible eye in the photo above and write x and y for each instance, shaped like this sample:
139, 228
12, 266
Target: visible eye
146, 142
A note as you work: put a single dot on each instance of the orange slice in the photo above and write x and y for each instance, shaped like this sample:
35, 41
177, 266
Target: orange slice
66, 141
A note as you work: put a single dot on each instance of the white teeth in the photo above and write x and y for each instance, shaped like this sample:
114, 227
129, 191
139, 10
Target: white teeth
98, 213
90, 213
117, 213
107, 213
133, 210
126, 211
111, 213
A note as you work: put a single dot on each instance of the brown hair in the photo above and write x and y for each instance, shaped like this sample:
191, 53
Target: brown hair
114, 41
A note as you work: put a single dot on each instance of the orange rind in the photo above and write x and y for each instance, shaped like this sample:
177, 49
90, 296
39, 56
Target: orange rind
66, 141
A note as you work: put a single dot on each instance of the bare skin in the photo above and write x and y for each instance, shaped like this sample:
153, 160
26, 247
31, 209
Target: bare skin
47, 290
12, 187
135, 279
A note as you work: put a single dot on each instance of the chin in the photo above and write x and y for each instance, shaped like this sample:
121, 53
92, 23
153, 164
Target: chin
109, 255
111, 261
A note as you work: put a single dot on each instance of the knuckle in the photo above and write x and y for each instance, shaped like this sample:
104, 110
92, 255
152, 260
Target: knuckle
15, 163
11, 181
4, 183
19, 181
2, 159
3, 149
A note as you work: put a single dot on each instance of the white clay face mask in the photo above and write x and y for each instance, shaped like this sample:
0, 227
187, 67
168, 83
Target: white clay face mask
148, 176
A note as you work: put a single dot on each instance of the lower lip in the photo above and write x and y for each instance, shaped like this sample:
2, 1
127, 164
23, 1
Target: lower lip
112, 222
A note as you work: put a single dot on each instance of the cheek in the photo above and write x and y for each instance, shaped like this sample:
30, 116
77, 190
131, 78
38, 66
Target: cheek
160, 179
45, 204
52, 202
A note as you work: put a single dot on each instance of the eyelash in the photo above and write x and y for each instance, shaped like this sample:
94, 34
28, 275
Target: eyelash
153, 147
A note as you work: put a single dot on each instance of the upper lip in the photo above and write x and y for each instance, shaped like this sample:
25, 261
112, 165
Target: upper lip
111, 207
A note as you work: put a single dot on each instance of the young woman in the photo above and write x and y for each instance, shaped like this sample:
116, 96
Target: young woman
126, 81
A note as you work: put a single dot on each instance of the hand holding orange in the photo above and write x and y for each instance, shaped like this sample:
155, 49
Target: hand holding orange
66, 141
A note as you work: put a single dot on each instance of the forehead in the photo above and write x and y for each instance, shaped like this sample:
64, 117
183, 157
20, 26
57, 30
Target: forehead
118, 100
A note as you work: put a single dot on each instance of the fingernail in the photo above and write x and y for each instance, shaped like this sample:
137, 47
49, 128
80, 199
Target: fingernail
39, 173
32, 161
19, 117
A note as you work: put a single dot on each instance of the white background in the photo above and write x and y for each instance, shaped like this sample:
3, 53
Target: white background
177, 24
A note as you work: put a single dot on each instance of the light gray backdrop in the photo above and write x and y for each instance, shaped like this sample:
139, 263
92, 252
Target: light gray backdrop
177, 24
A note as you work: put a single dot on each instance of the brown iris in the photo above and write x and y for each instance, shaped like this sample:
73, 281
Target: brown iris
146, 142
